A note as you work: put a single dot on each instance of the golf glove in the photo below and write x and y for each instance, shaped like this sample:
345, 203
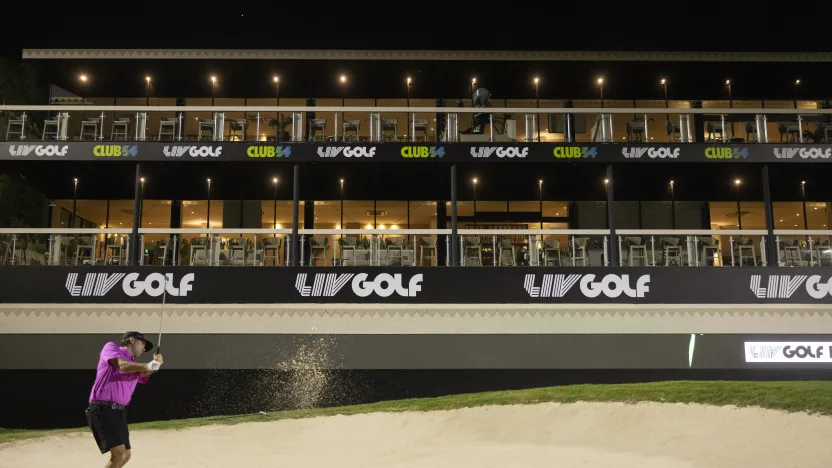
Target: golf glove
154, 365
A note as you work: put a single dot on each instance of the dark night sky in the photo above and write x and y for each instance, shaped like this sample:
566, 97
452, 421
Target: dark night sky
624, 28
713, 27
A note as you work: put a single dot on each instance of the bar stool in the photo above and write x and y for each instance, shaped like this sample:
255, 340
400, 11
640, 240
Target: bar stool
167, 128
316, 125
506, 246
119, 129
395, 244
85, 249
579, 247
50, 129
19, 125
235, 126
199, 250
551, 252
347, 244
317, 249
114, 250
472, 245
791, 252
391, 125
637, 250
743, 246
206, 127
420, 125
89, 127
672, 251
354, 126
272, 244
427, 244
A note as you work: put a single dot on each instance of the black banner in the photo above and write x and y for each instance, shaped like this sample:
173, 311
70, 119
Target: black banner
412, 152
416, 285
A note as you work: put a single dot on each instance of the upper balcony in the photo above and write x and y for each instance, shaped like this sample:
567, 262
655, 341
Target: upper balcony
545, 131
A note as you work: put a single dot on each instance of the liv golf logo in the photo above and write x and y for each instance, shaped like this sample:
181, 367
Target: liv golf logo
789, 352
154, 284
383, 285
784, 286
612, 286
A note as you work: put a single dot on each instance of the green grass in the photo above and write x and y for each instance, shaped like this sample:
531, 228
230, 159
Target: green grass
808, 397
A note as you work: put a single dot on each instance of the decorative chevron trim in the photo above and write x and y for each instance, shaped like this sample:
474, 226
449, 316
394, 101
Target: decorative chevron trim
406, 319
406, 55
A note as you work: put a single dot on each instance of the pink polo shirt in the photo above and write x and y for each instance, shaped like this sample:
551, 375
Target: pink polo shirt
112, 384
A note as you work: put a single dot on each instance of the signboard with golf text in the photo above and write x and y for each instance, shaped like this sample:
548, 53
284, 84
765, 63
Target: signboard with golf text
413, 152
415, 285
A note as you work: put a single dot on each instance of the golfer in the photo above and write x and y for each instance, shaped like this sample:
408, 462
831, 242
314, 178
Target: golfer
117, 376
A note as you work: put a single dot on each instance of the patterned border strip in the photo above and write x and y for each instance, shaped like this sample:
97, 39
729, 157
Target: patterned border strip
608, 56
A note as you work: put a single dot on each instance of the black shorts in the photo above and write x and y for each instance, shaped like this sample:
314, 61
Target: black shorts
109, 426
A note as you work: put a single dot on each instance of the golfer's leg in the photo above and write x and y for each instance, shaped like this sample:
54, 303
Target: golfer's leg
119, 456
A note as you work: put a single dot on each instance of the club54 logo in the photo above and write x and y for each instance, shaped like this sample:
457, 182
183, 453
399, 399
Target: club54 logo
269, 151
574, 152
612, 286
723, 152
499, 151
38, 150
115, 150
410, 152
653, 152
804, 153
99, 284
192, 151
347, 151
382, 285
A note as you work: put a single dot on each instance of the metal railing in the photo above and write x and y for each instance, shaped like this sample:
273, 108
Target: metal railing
377, 124
416, 247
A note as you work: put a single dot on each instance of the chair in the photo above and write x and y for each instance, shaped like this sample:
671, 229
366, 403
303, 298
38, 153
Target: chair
551, 251
238, 247
420, 125
16, 127
472, 250
199, 250
395, 244
791, 252
391, 125
167, 128
207, 128
119, 129
637, 250
428, 244
579, 250
160, 252
50, 129
115, 245
89, 128
672, 251
272, 244
237, 129
317, 249
347, 244
85, 249
743, 245
354, 126
316, 125
506, 247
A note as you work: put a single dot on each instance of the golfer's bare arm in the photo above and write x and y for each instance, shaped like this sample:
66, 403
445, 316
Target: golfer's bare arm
127, 366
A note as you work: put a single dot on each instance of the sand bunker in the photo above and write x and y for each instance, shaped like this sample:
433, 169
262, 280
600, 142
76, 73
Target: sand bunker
583, 434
